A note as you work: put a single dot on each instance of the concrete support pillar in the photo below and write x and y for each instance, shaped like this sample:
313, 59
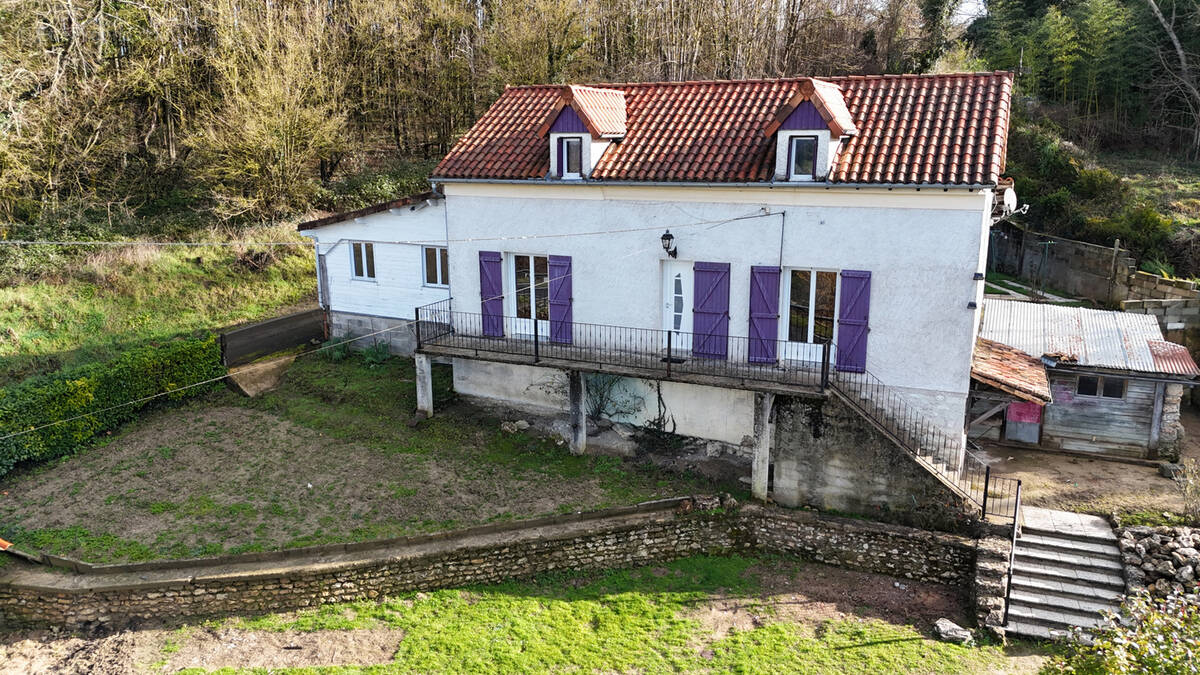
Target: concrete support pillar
424, 384
764, 433
577, 393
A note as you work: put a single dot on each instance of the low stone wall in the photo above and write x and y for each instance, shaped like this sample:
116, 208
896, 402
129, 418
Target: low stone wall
112, 596
990, 587
1101, 273
1144, 285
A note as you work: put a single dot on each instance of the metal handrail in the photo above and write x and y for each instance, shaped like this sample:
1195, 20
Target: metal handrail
1012, 551
665, 353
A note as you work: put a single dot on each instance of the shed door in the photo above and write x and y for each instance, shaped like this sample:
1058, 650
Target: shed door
1023, 423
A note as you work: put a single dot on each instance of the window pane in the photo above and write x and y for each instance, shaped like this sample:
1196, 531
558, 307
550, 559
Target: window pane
523, 304
444, 270
370, 256
677, 309
1088, 385
798, 314
1114, 387
541, 287
358, 259
824, 311
574, 159
804, 156
431, 275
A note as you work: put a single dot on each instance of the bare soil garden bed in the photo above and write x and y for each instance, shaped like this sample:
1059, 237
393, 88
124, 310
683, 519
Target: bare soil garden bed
328, 457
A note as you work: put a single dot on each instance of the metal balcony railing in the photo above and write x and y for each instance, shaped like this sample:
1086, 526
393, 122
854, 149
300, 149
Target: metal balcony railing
751, 363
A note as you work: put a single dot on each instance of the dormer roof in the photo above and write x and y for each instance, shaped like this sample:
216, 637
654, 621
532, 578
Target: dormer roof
945, 129
826, 97
602, 111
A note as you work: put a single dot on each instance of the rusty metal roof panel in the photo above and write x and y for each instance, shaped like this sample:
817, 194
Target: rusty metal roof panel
1085, 337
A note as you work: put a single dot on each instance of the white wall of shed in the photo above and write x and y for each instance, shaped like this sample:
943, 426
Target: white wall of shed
399, 284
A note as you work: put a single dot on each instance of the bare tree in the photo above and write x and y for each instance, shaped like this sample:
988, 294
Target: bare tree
1183, 79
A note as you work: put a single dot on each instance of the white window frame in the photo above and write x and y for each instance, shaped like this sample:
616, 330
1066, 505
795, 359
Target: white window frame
791, 158
442, 273
585, 155
810, 350
566, 143
826, 146
370, 271
523, 325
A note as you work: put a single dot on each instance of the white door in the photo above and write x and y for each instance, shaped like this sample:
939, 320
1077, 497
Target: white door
677, 304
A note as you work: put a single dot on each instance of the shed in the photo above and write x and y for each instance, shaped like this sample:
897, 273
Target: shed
1115, 384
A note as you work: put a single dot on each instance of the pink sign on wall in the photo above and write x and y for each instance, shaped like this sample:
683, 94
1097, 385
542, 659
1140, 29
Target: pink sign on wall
1024, 412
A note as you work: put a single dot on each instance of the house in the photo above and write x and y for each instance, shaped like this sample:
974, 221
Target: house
737, 256
1078, 379
376, 265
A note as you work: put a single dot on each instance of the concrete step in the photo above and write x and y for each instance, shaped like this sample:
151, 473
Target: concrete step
1038, 631
1071, 560
1059, 544
1052, 618
1058, 572
1066, 589
1095, 535
1060, 603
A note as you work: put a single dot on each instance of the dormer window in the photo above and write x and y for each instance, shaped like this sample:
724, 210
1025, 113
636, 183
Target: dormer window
803, 164
584, 122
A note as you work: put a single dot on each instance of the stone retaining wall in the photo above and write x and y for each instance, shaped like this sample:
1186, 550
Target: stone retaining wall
617, 538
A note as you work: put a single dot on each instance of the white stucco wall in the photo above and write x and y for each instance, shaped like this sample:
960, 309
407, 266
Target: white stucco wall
703, 412
921, 247
399, 284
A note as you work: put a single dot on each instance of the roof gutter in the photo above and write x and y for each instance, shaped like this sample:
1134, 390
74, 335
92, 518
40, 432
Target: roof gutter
824, 185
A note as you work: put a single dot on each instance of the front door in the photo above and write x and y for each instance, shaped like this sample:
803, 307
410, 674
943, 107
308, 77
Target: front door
677, 304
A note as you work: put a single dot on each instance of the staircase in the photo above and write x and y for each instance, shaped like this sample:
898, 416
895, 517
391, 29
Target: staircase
1066, 572
944, 455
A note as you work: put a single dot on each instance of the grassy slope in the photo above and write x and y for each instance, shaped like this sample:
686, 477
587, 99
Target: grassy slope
1172, 187
131, 296
632, 621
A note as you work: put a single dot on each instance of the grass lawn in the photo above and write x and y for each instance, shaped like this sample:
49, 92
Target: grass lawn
327, 457
127, 296
696, 615
1173, 187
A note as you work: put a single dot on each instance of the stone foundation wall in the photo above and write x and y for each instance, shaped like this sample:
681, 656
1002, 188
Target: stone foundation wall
400, 340
113, 596
827, 456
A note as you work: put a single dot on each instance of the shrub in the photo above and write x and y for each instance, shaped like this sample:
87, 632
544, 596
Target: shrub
1152, 636
99, 389
376, 354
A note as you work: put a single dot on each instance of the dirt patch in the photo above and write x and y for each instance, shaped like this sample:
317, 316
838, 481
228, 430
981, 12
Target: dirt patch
810, 593
44, 652
228, 648
1074, 483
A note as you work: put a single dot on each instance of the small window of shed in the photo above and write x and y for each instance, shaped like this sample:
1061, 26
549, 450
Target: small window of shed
1088, 385
1114, 387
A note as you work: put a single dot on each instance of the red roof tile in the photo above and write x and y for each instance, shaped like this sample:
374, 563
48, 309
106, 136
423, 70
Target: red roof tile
911, 129
1010, 370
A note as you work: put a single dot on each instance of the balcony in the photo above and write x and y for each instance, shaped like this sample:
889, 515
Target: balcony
754, 364
771, 366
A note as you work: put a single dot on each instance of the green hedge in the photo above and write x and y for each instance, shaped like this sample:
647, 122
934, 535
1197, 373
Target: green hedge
136, 374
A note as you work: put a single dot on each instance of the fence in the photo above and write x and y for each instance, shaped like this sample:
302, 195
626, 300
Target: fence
747, 362
244, 344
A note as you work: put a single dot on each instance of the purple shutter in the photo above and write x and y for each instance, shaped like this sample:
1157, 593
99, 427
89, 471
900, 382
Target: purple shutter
764, 313
710, 313
560, 298
852, 321
491, 293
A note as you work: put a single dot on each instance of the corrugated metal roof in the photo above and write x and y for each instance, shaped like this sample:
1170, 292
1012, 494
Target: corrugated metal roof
1086, 337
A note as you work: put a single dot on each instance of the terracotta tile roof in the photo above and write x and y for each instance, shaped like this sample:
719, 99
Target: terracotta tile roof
911, 129
1010, 370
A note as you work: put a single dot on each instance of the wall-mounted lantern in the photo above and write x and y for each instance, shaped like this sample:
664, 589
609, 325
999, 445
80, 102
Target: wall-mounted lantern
668, 243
